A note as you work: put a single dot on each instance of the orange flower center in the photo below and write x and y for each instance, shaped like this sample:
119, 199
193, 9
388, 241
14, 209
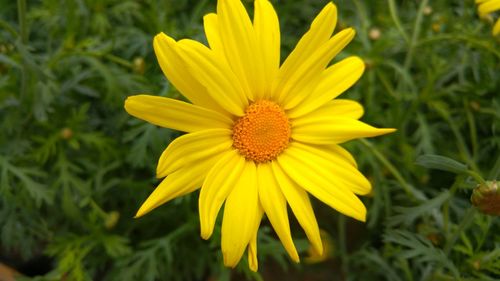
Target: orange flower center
263, 132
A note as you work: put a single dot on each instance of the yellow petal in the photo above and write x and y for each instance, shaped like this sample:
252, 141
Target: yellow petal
240, 213
301, 207
334, 81
299, 84
218, 184
181, 182
488, 7
341, 152
267, 32
320, 32
337, 107
332, 129
338, 170
192, 148
174, 114
214, 74
496, 28
274, 204
310, 175
240, 45
175, 69
211, 26
253, 262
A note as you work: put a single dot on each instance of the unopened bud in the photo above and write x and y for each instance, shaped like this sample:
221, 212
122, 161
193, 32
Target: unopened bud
66, 133
486, 198
374, 33
436, 27
476, 265
328, 249
475, 105
369, 64
427, 10
139, 65
111, 219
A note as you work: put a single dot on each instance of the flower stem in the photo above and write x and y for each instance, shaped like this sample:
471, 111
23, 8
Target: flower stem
390, 167
23, 35
416, 31
395, 18
464, 224
476, 176
459, 180
342, 244
21, 13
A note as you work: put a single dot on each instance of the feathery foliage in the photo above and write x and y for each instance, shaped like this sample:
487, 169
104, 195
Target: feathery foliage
74, 167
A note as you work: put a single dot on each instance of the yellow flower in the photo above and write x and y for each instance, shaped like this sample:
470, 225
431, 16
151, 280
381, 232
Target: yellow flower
259, 135
486, 7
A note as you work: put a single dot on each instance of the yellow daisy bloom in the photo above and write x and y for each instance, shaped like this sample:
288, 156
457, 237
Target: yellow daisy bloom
260, 136
486, 7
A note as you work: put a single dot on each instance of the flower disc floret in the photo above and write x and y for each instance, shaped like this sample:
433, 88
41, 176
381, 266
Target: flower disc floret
263, 132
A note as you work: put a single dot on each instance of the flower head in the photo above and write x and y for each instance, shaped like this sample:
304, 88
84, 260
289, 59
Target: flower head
486, 198
260, 136
485, 7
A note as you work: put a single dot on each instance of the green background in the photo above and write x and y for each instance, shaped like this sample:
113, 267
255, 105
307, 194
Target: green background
74, 167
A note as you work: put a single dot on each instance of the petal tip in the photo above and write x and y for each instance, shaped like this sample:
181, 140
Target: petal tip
295, 258
229, 262
141, 212
389, 130
205, 235
351, 31
254, 268
330, 5
160, 174
362, 218
318, 247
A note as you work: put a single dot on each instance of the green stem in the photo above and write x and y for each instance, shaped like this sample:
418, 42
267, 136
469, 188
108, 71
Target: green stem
257, 276
462, 147
342, 244
21, 13
395, 18
118, 60
390, 167
464, 224
472, 129
406, 269
446, 206
414, 37
470, 40
495, 171
6, 26
123, 62
364, 19
23, 34
476, 176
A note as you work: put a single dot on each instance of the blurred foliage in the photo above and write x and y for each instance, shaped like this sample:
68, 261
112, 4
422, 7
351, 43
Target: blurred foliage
74, 167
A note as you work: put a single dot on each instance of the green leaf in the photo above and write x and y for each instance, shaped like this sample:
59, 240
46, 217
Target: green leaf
439, 162
408, 215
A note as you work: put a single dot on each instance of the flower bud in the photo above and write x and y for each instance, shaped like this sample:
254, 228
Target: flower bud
139, 66
328, 249
66, 133
427, 10
486, 198
111, 219
374, 33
